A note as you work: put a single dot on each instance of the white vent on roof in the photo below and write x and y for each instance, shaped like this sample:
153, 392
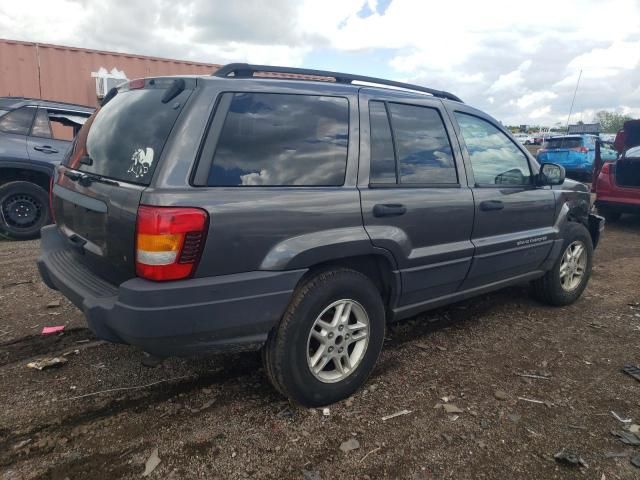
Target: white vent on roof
106, 80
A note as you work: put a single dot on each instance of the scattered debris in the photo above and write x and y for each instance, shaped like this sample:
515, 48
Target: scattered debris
326, 412
422, 346
351, 444
569, 457
597, 325
397, 414
311, 475
515, 418
540, 377
632, 370
634, 428
372, 451
616, 455
15, 284
21, 444
619, 418
451, 408
447, 437
152, 462
119, 389
501, 395
441, 348
635, 461
71, 352
627, 437
54, 304
47, 363
533, 400
50, 330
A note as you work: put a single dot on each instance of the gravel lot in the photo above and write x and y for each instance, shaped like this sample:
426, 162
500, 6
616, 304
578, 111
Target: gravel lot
219, 417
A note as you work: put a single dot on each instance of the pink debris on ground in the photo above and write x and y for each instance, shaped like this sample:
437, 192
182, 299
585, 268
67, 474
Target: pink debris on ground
50, 330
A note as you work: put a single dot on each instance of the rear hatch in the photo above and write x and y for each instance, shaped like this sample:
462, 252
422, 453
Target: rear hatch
627, 169
566, 151
99, 186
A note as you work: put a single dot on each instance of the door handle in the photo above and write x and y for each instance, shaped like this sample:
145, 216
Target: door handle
489, 205
45, 149
389, 210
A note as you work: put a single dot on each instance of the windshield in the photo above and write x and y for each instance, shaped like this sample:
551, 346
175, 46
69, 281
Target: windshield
124, 139
562, 142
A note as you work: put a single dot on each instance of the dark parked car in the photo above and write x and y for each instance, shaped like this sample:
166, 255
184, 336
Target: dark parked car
34, 137
237, 212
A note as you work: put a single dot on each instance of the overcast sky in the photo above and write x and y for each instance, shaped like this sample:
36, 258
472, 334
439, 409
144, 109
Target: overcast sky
519, 61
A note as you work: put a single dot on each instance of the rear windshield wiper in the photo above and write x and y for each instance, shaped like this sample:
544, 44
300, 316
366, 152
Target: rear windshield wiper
86, 179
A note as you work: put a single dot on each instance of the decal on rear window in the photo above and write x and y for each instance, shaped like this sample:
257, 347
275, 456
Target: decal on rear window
141, 160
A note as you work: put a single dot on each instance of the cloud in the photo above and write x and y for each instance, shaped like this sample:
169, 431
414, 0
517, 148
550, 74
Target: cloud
512, 65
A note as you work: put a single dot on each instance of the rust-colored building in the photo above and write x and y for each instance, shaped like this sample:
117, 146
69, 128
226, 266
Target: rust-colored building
78, 75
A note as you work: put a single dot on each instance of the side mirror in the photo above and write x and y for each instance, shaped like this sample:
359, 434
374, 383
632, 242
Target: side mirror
551, 174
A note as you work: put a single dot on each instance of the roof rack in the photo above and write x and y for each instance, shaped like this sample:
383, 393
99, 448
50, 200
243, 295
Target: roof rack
245, 70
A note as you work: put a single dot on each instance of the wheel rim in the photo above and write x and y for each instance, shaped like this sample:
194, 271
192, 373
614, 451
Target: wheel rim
21, 211
338, 341
573, 266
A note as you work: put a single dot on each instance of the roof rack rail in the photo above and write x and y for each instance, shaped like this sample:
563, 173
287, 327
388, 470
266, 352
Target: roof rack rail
245, 70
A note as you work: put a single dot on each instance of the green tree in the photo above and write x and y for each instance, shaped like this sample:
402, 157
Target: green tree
611, 122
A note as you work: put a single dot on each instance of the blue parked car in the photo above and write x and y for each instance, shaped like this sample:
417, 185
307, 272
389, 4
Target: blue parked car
575, 153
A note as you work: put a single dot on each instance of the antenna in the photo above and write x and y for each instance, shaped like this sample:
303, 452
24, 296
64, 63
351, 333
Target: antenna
573, 100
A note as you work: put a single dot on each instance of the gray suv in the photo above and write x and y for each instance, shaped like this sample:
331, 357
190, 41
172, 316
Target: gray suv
34, 137
300, 215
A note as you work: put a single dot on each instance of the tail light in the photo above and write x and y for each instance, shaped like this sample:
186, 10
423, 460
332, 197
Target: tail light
606, 168
581, 149
169, 241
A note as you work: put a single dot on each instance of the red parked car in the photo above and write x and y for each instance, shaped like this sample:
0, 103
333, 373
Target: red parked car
617, 183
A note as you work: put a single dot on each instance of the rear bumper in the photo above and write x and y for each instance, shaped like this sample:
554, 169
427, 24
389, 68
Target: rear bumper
182, 318
620, 206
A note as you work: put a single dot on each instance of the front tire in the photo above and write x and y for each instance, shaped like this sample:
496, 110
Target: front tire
24, 210
328, 340
565, 282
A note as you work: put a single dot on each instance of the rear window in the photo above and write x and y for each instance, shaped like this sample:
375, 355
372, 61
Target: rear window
272, 139
567, 142
125, 138
18, 121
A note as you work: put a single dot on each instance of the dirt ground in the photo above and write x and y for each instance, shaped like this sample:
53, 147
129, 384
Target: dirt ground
220, 418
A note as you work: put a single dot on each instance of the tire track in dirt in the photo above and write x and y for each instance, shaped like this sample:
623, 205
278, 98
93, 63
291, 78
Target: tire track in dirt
25, 348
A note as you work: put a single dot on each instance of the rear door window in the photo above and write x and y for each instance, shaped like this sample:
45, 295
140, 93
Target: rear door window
18, 121
57, 124
273, 139
383, 161
416, 140
422, 145
124, 139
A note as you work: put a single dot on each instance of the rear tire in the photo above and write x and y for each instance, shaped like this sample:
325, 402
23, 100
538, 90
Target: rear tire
24, 210
335, 318
565, 282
